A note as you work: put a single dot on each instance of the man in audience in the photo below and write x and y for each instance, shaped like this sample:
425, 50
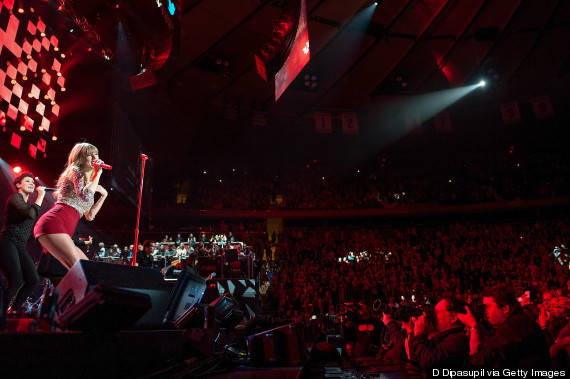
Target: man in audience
449, 348
517, 342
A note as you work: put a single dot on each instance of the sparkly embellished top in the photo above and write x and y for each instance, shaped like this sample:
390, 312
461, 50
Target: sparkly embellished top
75, 194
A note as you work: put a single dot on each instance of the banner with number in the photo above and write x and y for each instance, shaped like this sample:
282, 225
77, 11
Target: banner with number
442, 122
259, 114
349, 123
541, 106
510, 113
413, 124
231, 107
323, 123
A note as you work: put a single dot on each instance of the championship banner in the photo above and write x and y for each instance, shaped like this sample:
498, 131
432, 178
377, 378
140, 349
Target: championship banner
323, 122
413, 124
542, 107
231, 107
259, 114
510, 113
442, 122
349, 123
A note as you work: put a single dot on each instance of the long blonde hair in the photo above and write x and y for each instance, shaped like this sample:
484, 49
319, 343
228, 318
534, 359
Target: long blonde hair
77, 157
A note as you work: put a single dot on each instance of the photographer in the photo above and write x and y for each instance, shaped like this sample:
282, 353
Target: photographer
395, 337
449, 347
517, 341
362, 334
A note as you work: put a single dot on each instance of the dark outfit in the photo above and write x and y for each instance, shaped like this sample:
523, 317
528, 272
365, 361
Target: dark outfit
517, 343
448, 349
144, 260
15, 262
364, 334
394, 343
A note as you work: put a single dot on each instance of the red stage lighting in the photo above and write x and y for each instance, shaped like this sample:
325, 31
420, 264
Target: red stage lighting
17, 169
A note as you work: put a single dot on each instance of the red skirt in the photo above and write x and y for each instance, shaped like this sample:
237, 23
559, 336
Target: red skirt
61, 218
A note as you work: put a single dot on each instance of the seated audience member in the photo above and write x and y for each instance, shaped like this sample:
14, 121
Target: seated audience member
517, 341
144, 257
552, 319
449, 348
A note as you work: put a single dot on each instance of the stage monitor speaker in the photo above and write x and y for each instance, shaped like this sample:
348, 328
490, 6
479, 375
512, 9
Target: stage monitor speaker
106, 309
244, 291
85, 275
188, 291
282, 346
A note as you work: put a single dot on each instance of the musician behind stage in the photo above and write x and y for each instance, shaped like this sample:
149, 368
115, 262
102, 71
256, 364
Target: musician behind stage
144, 257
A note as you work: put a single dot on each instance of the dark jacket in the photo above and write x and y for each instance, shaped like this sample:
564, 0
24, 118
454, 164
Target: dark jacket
397, 338
449, 349
517, 343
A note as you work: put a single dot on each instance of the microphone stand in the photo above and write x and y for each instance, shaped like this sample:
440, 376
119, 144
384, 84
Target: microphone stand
144, 157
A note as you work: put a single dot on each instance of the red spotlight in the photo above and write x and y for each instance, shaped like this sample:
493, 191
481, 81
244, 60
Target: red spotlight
17, 169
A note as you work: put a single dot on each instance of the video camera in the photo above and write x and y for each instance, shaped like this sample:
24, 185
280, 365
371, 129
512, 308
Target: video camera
400, 312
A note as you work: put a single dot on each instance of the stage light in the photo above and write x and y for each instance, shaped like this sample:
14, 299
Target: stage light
41, 128
20, 10
62, 89
17, 169
482, 83
63, 55
25, 77
59, 74
56, 48
23, 128
13, 81
42, 34
54, 138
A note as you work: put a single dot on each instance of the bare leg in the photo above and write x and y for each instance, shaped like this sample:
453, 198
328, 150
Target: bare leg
62, 248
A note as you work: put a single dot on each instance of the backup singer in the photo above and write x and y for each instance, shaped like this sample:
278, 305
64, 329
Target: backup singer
15, 262
76, 189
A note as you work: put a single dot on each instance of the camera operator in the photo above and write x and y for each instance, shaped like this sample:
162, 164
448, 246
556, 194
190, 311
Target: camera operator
449, 347
362, 334
517, 341
394, 338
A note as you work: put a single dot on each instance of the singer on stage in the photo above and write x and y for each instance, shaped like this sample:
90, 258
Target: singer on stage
15, 262
76, 189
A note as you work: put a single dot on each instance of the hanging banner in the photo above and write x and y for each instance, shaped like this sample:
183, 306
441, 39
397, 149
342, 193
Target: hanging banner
442, 122
231, 107
413, 124
323, 123
510, 113
541, 106
259, 114
349, 123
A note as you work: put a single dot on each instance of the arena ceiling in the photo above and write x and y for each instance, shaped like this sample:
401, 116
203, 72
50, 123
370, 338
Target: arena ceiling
408, 48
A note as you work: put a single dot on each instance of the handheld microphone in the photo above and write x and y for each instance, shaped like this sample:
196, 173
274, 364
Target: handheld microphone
50, 189
105, 166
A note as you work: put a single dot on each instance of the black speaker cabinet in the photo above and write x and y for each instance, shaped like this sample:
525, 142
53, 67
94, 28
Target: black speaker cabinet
85, 275
244, 291
282, 346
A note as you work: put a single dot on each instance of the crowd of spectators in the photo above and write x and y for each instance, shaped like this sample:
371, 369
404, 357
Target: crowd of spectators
443, 179
316, 272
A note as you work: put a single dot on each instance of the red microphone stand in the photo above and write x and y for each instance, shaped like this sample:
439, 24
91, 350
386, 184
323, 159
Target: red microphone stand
144, 157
